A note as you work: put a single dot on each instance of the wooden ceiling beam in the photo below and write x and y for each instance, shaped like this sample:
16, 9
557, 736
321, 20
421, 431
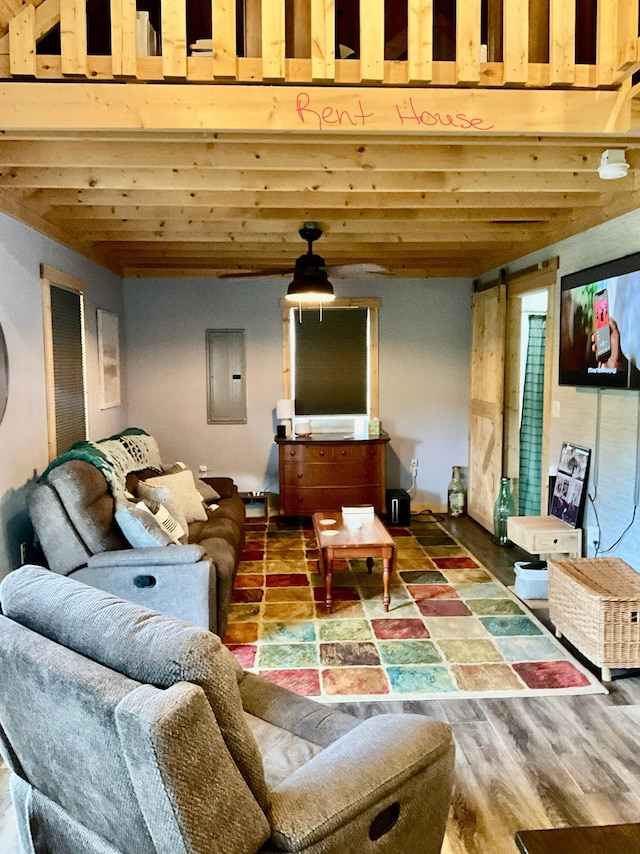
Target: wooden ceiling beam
339, 157
284, 259
278, 221
234, 181
408, 235
296, 204
357, 110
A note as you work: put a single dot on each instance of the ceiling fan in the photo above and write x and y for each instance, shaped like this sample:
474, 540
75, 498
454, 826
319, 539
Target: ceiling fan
308, 265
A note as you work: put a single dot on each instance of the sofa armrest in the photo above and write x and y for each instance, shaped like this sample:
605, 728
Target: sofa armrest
391, 760
156, 556
224, 486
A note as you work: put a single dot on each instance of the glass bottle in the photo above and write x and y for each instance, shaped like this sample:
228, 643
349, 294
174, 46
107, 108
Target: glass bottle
504, 507
455, 493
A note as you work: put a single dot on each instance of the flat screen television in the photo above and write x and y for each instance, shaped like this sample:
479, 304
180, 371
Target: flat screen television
600, 325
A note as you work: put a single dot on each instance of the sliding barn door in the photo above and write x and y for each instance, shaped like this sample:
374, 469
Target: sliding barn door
486, 407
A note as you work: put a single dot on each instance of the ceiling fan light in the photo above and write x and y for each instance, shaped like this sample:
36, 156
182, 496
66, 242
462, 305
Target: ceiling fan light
310, 292
310, 283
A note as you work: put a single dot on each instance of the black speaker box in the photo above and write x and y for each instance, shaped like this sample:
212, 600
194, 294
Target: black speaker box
398, 507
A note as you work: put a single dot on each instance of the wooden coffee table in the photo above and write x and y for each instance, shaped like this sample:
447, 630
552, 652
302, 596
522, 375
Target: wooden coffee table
370, 541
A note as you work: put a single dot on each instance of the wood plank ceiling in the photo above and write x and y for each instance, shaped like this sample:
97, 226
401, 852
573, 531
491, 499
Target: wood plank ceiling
222, 204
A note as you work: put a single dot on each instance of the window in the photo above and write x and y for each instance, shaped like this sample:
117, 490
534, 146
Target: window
331, 363
63, 312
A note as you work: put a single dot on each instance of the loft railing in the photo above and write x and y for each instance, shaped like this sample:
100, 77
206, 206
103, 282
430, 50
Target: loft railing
466, 43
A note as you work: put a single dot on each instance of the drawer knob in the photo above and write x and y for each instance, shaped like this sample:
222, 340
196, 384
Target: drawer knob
322, 453
299, 475
344, 453
293, 453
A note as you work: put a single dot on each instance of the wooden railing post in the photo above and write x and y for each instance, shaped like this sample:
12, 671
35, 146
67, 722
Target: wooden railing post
468, 41
562, 41
627, 41
420, 40
22, 42
516, 41
174, 38
323, 39
73, 36
123, 37
372, 40
273, 39
225, 57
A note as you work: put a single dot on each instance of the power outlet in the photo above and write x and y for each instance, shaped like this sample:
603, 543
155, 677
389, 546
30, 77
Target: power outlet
593, 538
414, 463
203, 469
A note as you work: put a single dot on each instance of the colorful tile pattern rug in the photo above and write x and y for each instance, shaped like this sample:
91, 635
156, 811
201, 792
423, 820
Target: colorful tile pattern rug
452, 630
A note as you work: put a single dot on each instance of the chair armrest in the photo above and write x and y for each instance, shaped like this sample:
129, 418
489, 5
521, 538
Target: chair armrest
362, 772
187, 590
315, 722
155, 556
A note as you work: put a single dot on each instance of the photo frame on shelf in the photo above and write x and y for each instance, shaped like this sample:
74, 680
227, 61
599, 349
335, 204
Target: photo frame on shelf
570, 490
108, 358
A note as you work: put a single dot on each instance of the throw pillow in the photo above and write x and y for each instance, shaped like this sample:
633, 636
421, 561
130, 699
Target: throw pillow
207, 493
161, 495
183, 491
174, 468
140, 527
168, 522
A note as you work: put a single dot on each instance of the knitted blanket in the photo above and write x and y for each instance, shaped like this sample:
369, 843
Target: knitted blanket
131, 450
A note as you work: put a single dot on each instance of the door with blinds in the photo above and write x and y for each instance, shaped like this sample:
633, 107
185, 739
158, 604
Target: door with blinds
486, 402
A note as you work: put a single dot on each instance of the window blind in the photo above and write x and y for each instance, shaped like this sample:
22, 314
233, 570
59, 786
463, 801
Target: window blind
68, 367
330, 362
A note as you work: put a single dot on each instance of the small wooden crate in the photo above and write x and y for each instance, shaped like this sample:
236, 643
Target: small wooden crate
595, 604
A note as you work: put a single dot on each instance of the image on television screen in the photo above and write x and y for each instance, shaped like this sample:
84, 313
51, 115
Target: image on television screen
600, 326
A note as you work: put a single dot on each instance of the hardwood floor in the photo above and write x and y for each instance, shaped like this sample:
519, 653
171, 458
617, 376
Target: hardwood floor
521, 763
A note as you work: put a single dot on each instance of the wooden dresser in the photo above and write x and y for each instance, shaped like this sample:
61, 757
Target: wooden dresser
324, 472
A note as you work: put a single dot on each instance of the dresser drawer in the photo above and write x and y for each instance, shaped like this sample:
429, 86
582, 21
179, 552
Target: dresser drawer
359, 473
544, 535
310, 453
336, 452
561, 541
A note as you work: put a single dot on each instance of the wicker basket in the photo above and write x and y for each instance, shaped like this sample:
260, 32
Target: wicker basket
595, 604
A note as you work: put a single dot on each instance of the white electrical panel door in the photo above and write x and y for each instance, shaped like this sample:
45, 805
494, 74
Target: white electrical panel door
226, 385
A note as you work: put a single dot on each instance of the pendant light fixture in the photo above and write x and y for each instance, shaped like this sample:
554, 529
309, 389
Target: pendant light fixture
310, 284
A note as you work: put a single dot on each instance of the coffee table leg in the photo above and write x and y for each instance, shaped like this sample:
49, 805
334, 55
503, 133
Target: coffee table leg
369, 564
386, 572
328, 579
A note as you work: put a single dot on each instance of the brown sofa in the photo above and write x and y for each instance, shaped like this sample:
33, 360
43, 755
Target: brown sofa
73, 513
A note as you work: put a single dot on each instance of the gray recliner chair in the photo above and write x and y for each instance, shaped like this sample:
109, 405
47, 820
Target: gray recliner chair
130, 731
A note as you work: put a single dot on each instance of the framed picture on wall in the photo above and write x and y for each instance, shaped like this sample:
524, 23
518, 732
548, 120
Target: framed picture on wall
570, 491
108, 359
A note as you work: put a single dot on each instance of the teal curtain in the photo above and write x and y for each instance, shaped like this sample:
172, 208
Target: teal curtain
530, 479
